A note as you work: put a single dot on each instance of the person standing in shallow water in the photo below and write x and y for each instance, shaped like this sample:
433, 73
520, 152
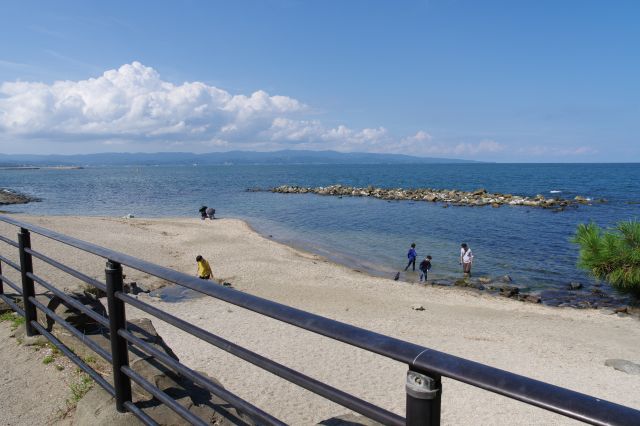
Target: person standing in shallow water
411, 255
466, 258
425, 267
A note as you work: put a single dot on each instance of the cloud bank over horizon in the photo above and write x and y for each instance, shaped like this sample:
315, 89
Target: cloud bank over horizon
132, 107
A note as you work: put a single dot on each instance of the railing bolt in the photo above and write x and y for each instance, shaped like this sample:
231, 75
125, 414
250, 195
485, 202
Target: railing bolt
423, 399
26, 267
117, 321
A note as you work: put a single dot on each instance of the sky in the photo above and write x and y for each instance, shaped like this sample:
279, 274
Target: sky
506, 81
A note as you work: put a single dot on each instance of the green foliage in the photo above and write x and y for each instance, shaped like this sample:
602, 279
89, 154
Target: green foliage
612, 255
7, 316
80, 388
16, 320
47, 359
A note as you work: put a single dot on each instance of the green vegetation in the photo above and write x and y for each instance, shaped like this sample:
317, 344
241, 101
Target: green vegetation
80, 388
81, 384
48, 359
59, 367
15, 319
612, 255
90, 359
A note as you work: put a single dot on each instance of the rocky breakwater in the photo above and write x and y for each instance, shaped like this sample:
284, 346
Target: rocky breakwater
8, 196
455, 197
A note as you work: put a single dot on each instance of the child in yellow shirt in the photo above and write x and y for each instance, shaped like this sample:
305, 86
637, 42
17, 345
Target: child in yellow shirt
204, 270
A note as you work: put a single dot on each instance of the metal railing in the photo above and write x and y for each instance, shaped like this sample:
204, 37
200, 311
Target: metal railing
426, 366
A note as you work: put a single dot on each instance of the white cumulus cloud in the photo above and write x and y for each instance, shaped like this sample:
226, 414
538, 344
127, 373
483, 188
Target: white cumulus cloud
134, 105
133, 101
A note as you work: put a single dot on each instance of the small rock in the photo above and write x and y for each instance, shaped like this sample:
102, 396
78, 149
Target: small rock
509, 291
621, 310
633, 310
575, 285
417, 307
128, 216
484, 280
583, 304
506, 279
397, 276
36, 340
530, 298
349, 420
623, 365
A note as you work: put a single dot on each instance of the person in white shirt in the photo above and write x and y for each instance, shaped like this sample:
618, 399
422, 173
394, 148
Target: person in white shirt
466, 258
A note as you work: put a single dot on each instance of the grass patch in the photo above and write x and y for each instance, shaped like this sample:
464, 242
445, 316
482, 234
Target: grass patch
80, 388
90, 359
7, 316
59, 367
48, 359
54, 350
15, 319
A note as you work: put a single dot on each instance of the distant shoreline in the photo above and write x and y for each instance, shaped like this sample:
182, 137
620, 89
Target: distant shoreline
41, 167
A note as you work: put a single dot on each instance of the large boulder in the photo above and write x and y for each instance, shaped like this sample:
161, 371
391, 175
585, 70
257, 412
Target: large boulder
64, 310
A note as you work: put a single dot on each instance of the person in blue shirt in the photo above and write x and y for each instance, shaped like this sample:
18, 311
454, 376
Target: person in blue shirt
412, 257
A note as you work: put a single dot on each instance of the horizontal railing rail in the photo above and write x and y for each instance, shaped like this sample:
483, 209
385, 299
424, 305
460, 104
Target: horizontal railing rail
426, 366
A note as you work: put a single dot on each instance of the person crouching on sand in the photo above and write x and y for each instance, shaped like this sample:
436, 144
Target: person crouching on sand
425, 267
204, 270
203, 212
466, 258
412, 257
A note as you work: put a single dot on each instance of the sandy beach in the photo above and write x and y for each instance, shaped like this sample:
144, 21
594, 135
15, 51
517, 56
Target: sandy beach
562, 346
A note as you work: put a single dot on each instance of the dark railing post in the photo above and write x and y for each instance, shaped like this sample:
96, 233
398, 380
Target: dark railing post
117, 321
423, 399
26, 267
1, 283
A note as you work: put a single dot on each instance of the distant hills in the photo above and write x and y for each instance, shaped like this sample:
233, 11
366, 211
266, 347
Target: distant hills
213, 158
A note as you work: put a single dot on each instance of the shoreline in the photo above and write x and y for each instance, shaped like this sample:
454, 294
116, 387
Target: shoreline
498, 286
565, 347
501, 287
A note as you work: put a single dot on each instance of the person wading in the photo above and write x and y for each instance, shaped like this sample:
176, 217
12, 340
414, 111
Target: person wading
425, 267
411, 255
466, 258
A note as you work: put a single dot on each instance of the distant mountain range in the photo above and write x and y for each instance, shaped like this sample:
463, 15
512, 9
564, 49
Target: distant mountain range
213, 158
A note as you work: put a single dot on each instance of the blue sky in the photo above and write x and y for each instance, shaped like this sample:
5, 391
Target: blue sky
538, 81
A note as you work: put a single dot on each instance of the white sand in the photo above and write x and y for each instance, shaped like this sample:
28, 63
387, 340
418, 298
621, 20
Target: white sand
564, 347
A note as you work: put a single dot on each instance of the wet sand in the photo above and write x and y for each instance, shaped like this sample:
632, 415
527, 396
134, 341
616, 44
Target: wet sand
565, 347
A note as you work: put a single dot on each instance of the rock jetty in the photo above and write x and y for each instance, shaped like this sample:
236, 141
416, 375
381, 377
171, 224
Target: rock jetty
8, 196
479, 197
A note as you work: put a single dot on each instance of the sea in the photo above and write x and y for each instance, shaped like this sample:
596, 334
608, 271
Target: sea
531, 245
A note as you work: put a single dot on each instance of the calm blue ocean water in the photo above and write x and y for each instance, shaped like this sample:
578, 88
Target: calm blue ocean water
531, 245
